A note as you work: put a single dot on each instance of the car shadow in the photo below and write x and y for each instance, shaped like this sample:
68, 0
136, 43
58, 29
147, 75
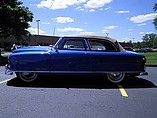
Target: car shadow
84, 82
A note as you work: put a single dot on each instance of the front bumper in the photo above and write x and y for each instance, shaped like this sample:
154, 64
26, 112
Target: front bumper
7, 70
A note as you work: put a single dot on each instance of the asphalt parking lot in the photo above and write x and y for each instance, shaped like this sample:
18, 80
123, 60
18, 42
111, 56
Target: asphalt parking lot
79, 97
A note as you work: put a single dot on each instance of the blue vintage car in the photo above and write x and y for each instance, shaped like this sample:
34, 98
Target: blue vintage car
76, 55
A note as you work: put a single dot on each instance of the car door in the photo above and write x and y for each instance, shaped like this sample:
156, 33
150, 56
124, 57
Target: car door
104, 55
71, 57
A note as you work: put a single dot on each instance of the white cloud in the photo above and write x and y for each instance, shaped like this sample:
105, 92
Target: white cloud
142, 24
59, 4
107, 8
106, 29
87, 33
142, 33
32, 4
46, 23
110, 27
130, 29
62, 4
91, 10
85, 9
63, 19
149, 32
69, 29
122, 12
35, 31
81, 9
96, 3
80, 1
143, 18
78, 8
45, 3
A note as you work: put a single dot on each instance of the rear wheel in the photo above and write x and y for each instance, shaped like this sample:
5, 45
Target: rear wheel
27, 76
115, 77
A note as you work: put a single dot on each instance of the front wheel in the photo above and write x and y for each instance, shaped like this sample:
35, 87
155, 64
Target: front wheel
27, 76
115, 77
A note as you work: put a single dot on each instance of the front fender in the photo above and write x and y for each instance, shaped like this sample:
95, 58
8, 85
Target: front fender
33, 61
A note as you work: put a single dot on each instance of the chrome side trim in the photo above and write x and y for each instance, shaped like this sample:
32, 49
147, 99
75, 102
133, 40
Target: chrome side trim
79, 72
34, 71
96, 72
8, 71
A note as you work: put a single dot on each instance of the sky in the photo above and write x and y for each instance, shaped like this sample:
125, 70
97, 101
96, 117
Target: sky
123, 20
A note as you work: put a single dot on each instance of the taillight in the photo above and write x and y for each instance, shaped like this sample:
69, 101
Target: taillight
144, 59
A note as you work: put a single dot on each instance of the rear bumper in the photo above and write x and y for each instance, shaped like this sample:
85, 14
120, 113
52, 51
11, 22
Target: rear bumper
143, 73
7, 70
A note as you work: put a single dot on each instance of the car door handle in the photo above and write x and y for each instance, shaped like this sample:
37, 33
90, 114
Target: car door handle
88, 53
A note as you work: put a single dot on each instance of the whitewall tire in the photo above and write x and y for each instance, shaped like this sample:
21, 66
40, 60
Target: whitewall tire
115, 77
27, 76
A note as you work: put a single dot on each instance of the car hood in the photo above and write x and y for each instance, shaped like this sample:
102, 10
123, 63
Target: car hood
33, 49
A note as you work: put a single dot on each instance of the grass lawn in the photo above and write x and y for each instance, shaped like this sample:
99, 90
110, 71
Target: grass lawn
151, 58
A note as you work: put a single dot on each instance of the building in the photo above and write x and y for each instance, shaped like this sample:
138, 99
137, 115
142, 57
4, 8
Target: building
7, 43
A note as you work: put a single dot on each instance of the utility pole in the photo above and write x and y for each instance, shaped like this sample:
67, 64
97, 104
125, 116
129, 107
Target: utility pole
54, 30
107, 34
37, 26
133, 42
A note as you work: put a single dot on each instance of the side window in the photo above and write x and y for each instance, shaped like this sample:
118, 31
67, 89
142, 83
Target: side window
73, 44
101, 45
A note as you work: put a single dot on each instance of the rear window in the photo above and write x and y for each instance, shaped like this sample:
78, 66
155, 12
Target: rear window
99, 45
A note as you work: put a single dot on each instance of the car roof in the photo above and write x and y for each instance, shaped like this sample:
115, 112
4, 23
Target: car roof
91, 36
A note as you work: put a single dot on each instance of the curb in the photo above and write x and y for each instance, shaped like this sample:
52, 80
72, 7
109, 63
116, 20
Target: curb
151, 65
3, 63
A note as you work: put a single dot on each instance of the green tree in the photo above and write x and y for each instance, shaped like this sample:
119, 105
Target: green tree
137, 45
155, 20
150, 40
14, 19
